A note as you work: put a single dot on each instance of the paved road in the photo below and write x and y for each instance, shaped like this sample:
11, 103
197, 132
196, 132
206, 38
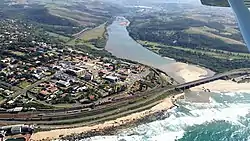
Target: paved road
24, 91
19, 91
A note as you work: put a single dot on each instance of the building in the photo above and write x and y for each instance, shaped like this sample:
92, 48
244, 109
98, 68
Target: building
63, 83
43, 94
76, 71
19, 132
37, 76
15, 110
88, 77
112, 79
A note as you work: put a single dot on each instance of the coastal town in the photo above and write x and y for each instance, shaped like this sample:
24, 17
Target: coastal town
39, 75
52, 76
65, 79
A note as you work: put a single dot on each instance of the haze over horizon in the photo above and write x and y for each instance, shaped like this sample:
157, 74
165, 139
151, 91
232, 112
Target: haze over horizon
148, 2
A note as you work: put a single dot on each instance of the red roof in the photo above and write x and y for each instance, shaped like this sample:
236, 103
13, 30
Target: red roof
31, 69
92, 97
44, 92
52, 89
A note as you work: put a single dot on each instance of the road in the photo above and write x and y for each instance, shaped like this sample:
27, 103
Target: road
19, 91
24, 91
213, 78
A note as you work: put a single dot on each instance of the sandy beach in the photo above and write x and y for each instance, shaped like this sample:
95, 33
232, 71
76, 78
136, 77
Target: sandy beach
55, 134
192, 72
223, 86
183, 72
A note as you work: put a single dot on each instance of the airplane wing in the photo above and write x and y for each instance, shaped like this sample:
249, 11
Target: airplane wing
222, 3
240, 8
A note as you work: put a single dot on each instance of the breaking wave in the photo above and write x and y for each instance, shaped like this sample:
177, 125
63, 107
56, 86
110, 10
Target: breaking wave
226, 117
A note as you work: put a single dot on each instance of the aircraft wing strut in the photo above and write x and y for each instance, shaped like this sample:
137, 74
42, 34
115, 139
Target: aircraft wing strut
240, 8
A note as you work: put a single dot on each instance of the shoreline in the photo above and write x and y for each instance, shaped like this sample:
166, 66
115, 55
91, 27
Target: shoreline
164, 105
186, 72
223, 86
190, 72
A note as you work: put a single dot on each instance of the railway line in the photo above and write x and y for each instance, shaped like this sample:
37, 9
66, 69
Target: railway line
110, 108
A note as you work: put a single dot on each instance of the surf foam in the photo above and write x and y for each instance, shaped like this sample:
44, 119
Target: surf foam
175, 126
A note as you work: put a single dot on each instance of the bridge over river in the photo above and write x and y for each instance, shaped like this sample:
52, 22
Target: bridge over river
191, 84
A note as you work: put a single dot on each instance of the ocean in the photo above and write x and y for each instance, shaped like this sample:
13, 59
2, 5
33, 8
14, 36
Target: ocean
226, 117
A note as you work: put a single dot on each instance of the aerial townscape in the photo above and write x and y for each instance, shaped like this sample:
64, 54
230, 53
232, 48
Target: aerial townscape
71, 70
37, 75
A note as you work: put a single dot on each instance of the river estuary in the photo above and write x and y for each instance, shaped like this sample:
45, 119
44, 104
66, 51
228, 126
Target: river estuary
224, 118
122, 45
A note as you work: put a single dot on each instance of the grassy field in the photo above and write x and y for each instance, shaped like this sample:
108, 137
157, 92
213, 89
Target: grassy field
1, 98
60, 37
36, 90
97, 33
206, 32
80, 42
211, 52
17, 53
24, 84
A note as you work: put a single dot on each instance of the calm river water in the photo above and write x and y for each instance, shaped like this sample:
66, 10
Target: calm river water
122, 45
224, 118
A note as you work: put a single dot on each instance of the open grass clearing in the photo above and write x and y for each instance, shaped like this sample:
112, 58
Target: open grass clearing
97, 33
24, 84
94, 33
1, 98
202, 31
18, 53
60, 37
211, 52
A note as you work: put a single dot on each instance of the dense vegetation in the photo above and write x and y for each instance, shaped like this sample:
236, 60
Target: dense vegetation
60, 17
174, 33
202, 59
40, 16
189, 39
94, 52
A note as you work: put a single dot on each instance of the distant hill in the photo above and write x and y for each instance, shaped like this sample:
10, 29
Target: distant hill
152, 2
64, 17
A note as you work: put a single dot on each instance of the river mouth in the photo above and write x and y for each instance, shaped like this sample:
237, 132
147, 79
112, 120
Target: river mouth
121, 45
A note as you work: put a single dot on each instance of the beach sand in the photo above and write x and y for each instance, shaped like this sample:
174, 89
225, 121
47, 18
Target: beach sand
55, 134
192, 72
183, 72
223, 86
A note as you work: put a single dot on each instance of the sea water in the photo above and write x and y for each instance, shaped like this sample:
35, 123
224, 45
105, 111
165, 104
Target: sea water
226, 117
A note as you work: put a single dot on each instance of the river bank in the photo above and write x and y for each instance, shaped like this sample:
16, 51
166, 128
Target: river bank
164, 105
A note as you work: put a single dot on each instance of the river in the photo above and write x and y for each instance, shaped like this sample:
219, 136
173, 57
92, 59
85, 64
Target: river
122, 45
220, 117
